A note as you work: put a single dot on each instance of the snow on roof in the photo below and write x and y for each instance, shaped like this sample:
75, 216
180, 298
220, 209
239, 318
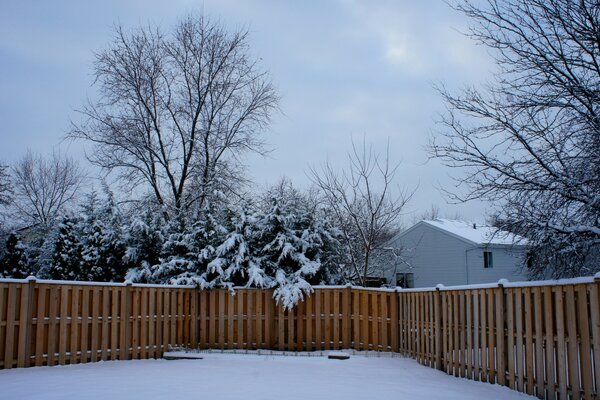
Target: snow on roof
476, 233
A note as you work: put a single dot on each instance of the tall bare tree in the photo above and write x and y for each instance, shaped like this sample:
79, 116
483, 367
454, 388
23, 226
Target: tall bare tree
177, 109
5, 186
362, 199
44, 187
530, 140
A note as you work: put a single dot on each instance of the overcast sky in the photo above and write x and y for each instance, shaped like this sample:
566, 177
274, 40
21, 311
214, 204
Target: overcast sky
345, 69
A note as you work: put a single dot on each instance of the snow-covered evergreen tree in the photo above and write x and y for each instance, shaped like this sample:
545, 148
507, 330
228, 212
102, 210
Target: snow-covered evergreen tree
14, 262
103, 249
66, 254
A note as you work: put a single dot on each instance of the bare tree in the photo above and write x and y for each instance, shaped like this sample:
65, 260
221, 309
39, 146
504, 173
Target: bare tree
5, 186
361, 198
178, 109
530, 140
44, 187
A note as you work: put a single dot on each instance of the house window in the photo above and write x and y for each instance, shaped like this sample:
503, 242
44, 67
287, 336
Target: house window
488, 259
405, 279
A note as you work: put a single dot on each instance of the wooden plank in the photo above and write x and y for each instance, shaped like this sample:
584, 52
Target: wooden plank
364, 311
269, 317
194, 319
539, 341
510, 326
549, 343
336, 319
135, 322
519, 340
476, 337
63, 325
500, 338
463, 333
75, 324
585, 366
143, 321
250, 340
491, 337
561, 353
152, 347
528, 309
160, 345
384, 321
212, 319
123, 322
318, 320
290, 329
456, 334
240, 319
327, 318
95, 323
175, 321
300, 326
105, 321
114, 323
203, 319
437, 329
310, 316
221, 319
469, 322
346, 317
572, 351
374, 303
24, 326
281, 326
230, 320
9, 347
394, 322
42, 325
595, 327
258, 322
85, 324
445, 330
484, 335
356, 319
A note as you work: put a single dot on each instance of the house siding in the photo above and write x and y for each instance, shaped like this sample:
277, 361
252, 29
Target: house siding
434, 256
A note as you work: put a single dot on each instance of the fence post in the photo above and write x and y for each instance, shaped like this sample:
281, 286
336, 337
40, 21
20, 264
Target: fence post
27, 323
501, 354
128, 320
438, 329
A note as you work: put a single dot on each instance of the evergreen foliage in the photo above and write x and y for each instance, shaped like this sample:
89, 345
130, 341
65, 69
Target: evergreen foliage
14, 263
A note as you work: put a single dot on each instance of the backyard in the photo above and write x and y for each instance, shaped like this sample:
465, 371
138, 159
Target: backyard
241, 376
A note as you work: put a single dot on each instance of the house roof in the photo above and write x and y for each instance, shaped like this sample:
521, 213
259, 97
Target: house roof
477, 234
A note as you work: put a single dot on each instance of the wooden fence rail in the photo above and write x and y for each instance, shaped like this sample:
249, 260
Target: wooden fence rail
540, 338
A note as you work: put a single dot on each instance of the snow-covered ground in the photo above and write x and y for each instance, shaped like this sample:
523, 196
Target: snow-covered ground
236, 376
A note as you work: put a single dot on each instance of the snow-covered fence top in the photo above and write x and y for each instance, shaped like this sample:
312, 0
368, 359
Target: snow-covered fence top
542, 338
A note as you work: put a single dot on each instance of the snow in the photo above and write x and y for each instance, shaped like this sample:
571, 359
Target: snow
236, 376
476, 233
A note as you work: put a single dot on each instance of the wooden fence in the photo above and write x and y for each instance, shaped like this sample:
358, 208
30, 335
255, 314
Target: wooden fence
542, 339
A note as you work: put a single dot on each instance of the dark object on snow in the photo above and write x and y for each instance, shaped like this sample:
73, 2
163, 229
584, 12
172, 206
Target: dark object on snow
338, 356
182, 356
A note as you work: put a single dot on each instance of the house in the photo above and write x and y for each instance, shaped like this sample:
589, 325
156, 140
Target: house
455, 253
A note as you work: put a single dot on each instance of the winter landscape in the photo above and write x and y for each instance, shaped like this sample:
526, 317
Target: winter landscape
415, 184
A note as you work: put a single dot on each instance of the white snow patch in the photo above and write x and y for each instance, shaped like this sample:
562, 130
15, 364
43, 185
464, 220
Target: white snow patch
479, 234
234, 376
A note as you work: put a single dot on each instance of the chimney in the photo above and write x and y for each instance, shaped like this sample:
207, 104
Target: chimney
474, 225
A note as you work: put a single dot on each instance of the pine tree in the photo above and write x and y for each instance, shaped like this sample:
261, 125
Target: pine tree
103, 250
14, 263
66, 254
